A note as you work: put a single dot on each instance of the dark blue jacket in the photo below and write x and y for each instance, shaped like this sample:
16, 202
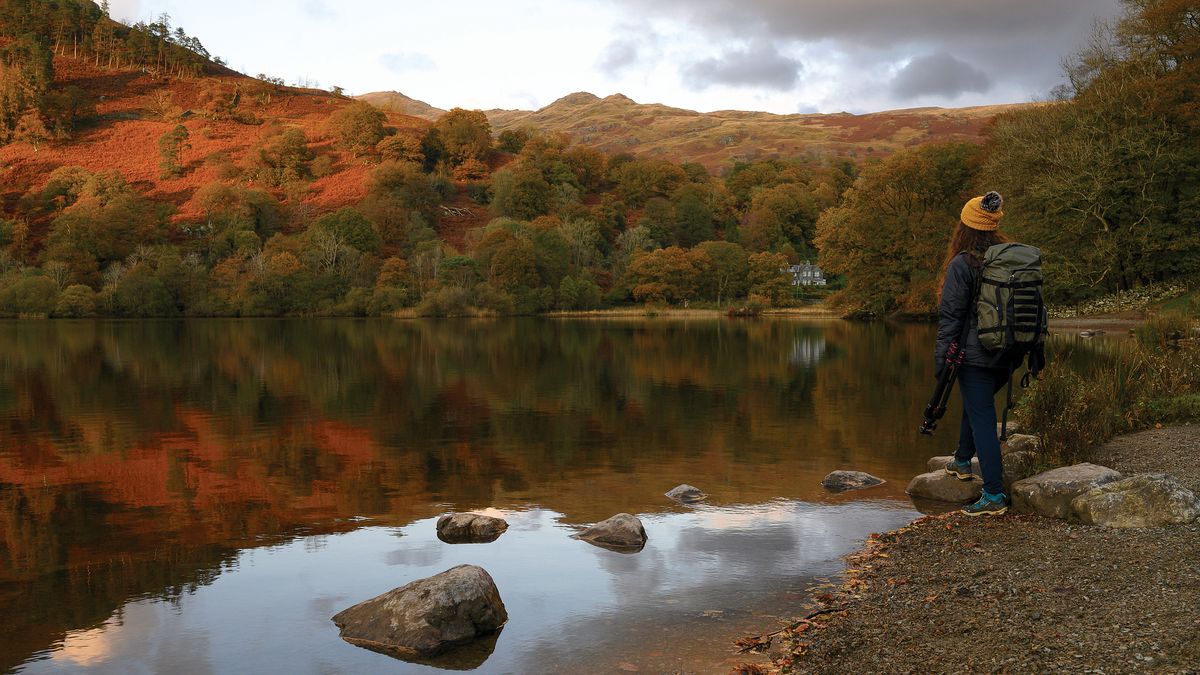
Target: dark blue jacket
958, 299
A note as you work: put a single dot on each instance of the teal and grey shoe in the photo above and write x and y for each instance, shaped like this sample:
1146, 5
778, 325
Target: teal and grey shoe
960, 470
988, 505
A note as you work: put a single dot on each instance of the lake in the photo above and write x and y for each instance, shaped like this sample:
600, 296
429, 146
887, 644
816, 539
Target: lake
201, 496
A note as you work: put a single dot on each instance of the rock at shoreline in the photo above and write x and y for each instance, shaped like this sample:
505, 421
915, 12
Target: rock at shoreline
941, 486
1013, 427
939, 464
1146, 500
1019, 466
841, 481
622, 533
686, 494
428, 616
1050, 493
1021, 443
462, 528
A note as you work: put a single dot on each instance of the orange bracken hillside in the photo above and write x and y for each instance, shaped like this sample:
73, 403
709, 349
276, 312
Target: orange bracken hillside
125, 137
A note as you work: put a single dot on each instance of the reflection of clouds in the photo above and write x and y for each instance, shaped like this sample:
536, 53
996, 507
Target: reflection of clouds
135, 635
425, 554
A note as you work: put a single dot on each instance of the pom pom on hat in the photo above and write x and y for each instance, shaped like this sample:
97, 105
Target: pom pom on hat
983, 213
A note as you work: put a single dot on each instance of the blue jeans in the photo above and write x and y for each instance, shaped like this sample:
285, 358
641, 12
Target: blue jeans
977, 435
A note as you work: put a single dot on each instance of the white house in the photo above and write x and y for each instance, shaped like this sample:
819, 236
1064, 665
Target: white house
806, 274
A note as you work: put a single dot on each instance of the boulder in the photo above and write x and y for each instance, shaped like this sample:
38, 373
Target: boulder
841, 481
1019, 466
1021, 443
461, 528
941, 486
939, 464
1050, 493
686, 494
622, 532
428, 616
1013, 427
1147, 500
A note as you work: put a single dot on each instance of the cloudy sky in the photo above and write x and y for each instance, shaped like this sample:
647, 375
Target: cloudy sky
781, 56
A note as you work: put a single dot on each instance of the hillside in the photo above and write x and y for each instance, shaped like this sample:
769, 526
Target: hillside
394, 101
618, 124
124, 137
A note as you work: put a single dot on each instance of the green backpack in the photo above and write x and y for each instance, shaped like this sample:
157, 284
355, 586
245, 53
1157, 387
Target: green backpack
1012, 315
1013, 322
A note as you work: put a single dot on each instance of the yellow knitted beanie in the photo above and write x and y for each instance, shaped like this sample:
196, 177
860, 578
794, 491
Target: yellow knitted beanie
983, 213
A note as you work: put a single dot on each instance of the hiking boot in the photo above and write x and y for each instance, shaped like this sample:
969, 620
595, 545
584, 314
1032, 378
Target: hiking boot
960, 470
988, 505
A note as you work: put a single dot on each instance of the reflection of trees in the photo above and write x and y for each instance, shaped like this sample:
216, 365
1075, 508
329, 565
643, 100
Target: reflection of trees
149, 450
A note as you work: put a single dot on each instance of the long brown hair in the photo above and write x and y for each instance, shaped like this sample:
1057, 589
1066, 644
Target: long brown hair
974, 242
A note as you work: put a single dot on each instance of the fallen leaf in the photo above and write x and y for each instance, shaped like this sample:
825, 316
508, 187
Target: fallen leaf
628, 667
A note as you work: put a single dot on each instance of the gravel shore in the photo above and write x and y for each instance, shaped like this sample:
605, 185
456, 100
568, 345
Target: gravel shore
1020, 593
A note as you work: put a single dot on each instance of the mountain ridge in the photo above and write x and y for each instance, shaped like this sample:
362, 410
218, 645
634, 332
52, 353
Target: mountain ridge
617, 123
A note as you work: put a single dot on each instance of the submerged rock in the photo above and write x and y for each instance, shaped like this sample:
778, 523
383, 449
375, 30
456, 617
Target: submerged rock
687, 494
1147, 500
941, 486
428, 616
1021, 443
1050, 493
622, 532
841, 481
939, 464
461, 528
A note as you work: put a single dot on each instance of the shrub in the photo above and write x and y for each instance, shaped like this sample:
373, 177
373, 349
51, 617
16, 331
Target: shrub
76, 301
29, 295
448, 301
1163, 328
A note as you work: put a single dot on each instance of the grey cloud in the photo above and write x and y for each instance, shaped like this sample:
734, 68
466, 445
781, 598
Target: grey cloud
759, 66
400, 62
1021, 43
619, 55
939, 74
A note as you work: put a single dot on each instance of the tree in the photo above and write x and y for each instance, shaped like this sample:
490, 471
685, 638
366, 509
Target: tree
514, 267
29, 295
458, 271
512, 140
768, 276
665, 275
522, 193
889, 235
170, 151
76, 301
401, 147
348, 226
725, 275
285, 158
466, 135
693, 217
358, 126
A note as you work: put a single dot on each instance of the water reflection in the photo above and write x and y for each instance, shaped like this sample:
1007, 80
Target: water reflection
572, 606
143, 464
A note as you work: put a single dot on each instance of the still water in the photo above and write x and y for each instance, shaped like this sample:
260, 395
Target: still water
201, 496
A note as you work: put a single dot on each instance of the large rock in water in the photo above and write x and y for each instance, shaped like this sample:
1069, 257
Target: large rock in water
939, 464
428, 616
1147, 500
460, 528
941, 486
841, 481
1050, 493
686, 494
622, 532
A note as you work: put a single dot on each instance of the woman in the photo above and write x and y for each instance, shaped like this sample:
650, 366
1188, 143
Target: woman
980, 376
